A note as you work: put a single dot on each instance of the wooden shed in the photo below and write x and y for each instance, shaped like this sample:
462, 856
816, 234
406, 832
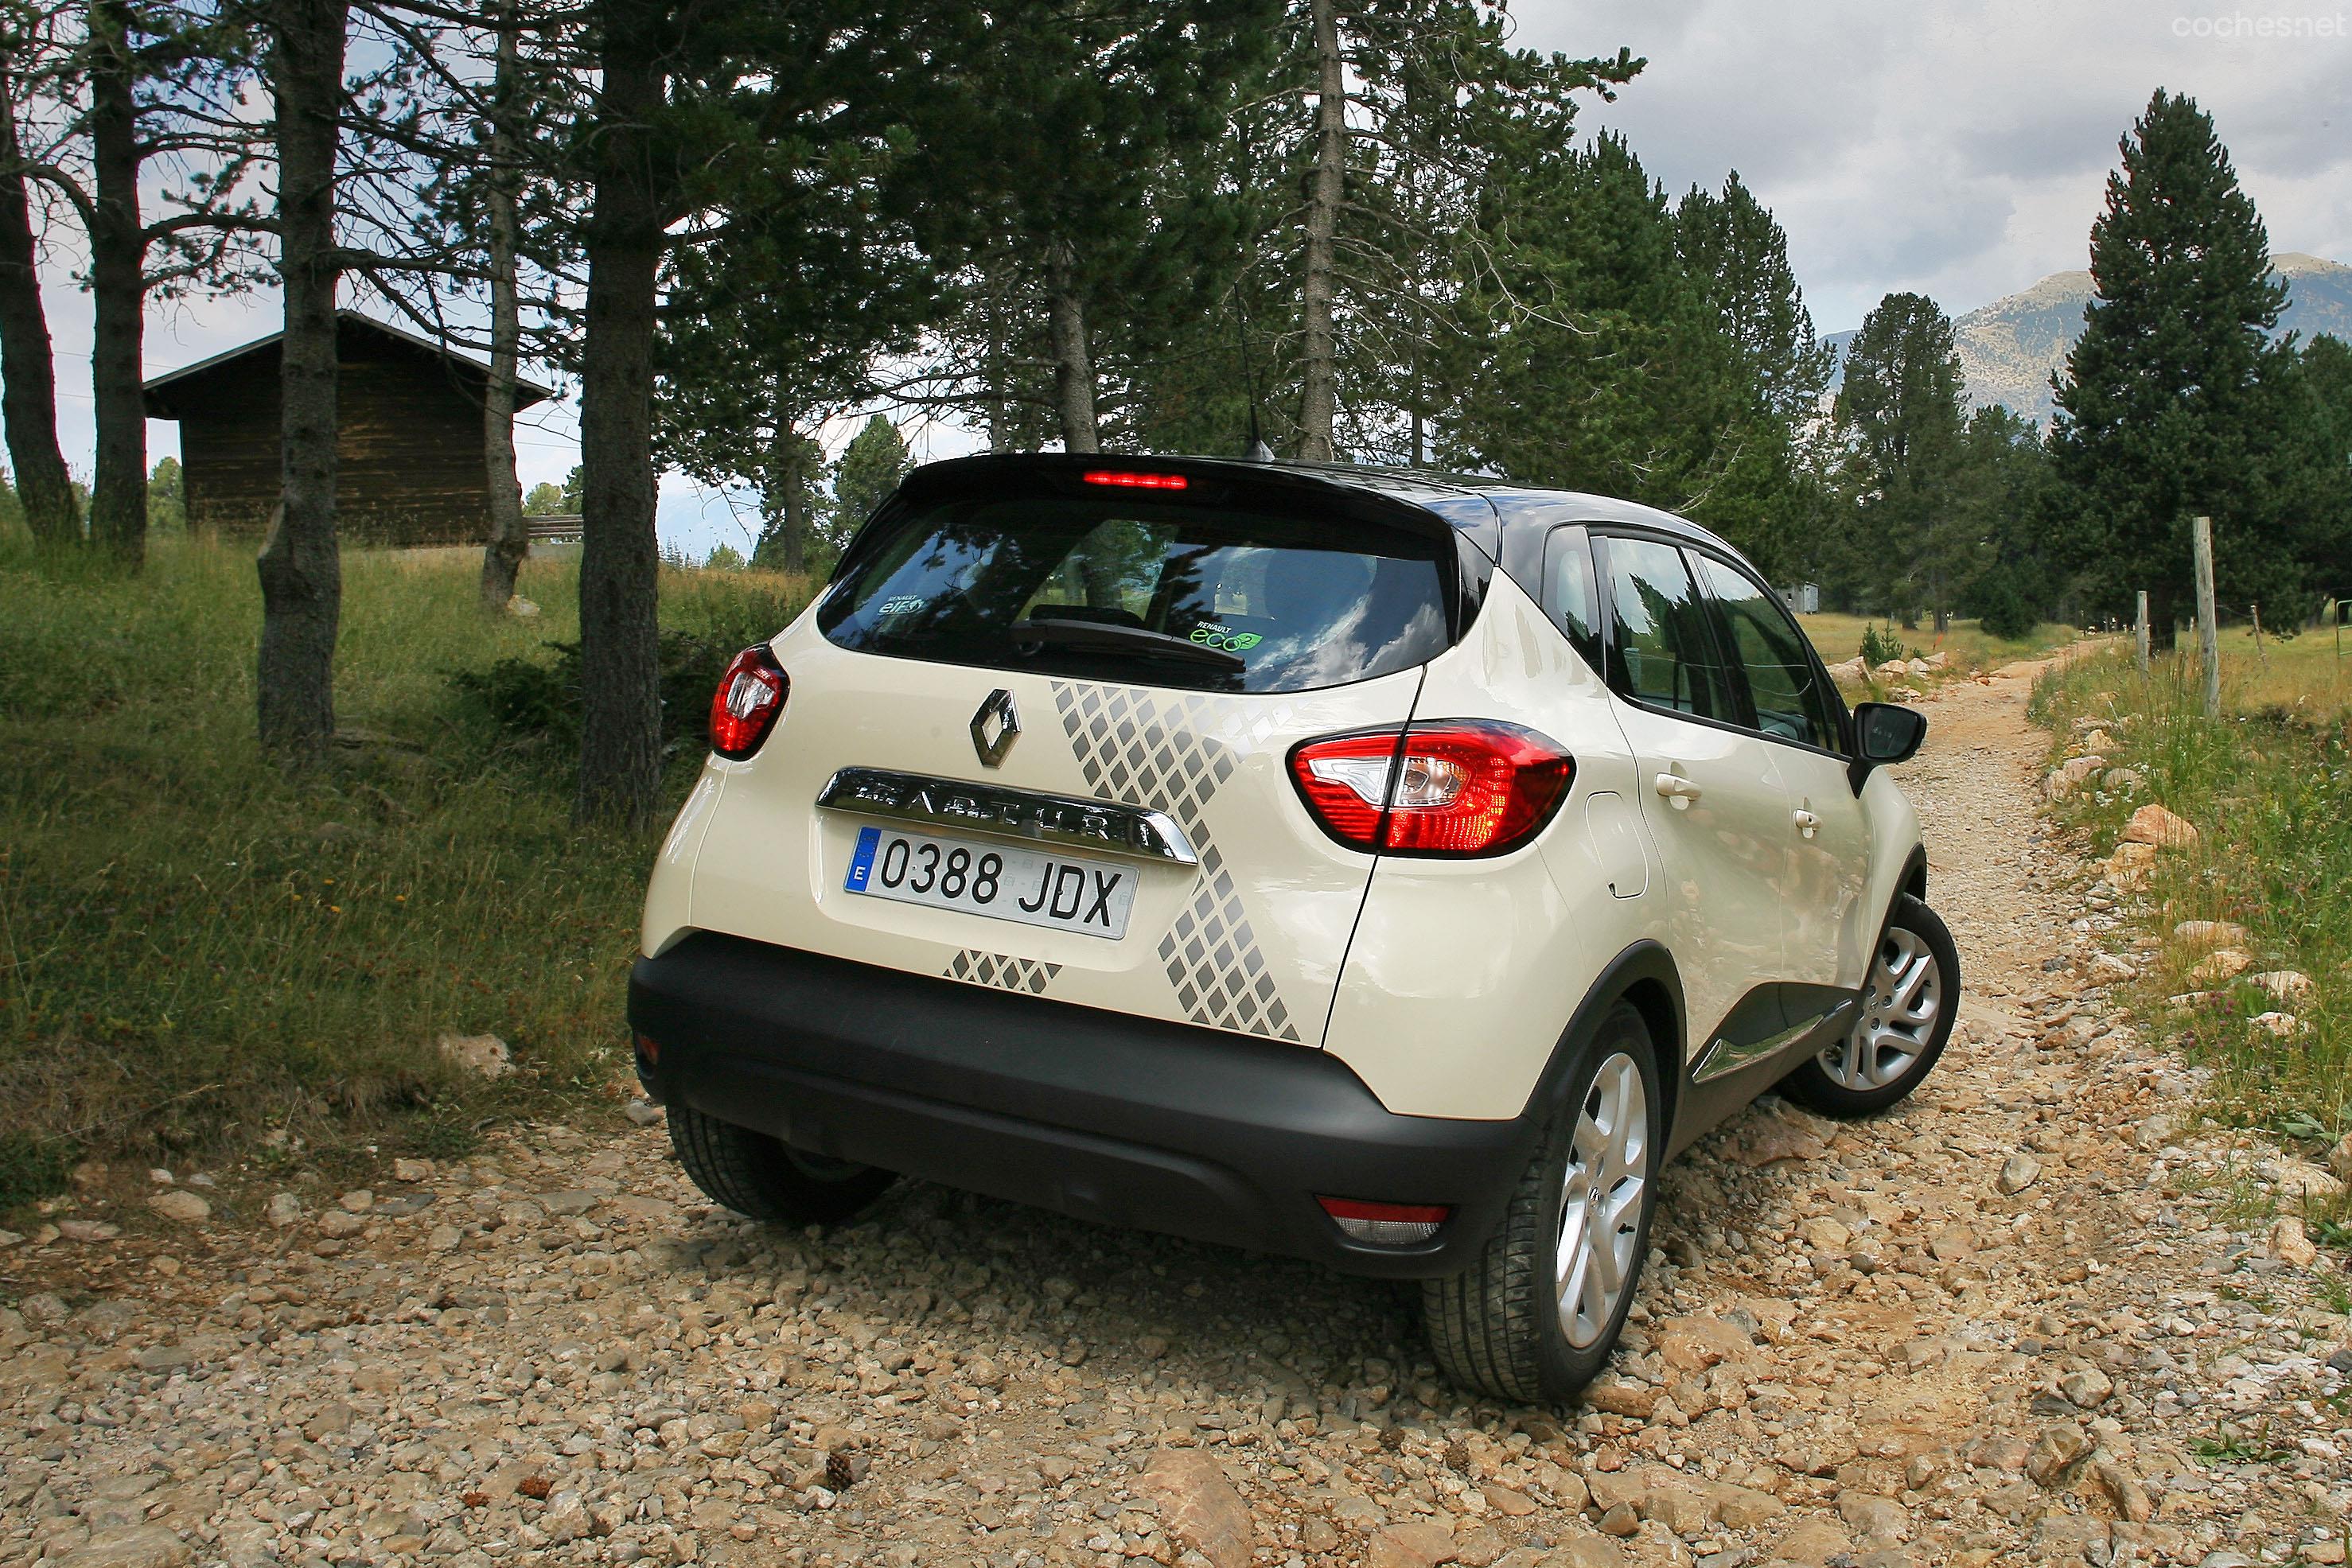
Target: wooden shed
411, 470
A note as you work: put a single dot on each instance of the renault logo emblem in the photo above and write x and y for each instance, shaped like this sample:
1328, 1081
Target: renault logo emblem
999, 707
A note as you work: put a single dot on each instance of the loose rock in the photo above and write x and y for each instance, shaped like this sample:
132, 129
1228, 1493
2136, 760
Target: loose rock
483, 1055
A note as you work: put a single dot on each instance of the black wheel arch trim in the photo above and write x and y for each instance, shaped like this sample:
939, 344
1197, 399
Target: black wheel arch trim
1913, 880
1645, 974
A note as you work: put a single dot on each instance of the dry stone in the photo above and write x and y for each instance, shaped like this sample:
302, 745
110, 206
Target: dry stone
1417, 1543
2153, 824
1201, 1507
483, 1055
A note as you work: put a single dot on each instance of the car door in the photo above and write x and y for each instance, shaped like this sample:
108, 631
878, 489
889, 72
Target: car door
1799, 716
1708, 787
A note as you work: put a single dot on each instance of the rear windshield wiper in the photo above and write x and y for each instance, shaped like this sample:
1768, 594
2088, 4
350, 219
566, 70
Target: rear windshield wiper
1102, 637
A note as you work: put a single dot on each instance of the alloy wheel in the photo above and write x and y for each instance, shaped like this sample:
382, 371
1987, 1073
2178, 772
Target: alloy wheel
1899, 1009
1600, 1201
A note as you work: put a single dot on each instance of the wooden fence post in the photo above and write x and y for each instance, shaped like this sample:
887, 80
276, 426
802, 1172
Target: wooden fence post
2139, 631
2208, 628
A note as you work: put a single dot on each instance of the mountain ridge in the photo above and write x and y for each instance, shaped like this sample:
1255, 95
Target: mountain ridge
2010, 347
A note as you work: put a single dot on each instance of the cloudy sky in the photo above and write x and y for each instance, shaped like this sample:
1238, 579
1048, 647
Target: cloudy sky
1956, 150
1960, 150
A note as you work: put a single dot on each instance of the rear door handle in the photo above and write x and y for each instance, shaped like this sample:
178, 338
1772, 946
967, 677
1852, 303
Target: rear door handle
1678, 790
1806, 821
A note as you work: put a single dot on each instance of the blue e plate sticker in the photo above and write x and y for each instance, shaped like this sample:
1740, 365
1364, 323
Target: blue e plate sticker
861, 864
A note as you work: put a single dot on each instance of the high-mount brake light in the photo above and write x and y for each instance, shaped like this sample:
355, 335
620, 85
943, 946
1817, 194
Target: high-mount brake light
1444, 788
1128, 479
1386, 1224
745, 708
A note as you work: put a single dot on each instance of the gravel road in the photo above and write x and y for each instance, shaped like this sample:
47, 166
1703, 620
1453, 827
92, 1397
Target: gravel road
2024, 1318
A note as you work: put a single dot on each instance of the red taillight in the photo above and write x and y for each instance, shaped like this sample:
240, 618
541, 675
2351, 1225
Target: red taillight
1345, 781
1128, 480
1386, 1224
1452, 786
744, 707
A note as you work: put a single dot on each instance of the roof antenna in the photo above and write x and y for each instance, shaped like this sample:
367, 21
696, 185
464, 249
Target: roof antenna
1259, 452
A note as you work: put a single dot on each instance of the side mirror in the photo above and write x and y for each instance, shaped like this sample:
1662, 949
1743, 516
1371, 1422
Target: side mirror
1884, 734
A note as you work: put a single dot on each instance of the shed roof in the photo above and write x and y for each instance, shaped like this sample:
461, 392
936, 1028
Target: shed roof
164, 394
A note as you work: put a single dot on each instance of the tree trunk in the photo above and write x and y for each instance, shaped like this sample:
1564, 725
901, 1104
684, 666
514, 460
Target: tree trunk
301, 573
788, 472
1319, 364
620, 737
28, 377
509, 540
1000, 416
118, 264
1073, 374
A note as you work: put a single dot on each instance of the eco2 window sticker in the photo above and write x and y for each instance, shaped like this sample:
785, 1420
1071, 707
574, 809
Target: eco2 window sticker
1225, 638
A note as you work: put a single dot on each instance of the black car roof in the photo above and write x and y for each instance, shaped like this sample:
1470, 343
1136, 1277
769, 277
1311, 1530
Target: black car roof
1481, 507
1513, 504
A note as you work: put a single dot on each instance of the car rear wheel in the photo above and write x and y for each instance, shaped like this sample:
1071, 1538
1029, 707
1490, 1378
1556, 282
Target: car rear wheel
1536, 1317
762, 1178
1908, 1003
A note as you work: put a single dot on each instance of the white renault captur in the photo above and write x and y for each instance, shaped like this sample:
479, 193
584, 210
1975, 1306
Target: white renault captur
1381, 868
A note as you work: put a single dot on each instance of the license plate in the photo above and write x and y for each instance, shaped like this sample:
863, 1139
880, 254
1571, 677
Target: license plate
1062, 893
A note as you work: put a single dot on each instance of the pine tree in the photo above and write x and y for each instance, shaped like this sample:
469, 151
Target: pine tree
1735, 251
871, 466
2000, 487
1606, 367
1735, 254
2161, 402
1900, 411
2327, 378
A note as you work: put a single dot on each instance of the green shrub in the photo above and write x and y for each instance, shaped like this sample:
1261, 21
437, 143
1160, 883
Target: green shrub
525, 699
32, 1167
1878, 647
2001, 609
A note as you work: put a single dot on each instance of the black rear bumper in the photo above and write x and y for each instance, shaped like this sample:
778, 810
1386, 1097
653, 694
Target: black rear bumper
1124, 1120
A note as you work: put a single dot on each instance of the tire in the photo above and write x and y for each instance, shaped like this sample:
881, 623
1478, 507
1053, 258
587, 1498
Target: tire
1891, 1048
1499, 1326
761, 1177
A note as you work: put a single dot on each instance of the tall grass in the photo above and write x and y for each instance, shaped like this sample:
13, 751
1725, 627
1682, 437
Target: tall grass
1971, 647
202, 954
2269, 787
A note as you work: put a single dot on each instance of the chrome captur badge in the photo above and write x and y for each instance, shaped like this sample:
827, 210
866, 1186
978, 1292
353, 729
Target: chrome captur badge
961, 804
998, 706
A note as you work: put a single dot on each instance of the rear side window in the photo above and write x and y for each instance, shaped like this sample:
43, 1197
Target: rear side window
1793, 698
1568, 591
1300, 604
1663, 654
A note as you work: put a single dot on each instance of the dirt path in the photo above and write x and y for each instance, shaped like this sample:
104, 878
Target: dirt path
1854, 1345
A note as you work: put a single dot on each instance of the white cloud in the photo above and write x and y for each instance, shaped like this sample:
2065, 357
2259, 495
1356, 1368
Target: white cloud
1958, 150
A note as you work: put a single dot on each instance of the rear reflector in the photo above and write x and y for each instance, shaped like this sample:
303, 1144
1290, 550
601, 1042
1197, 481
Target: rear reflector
1386, 1224
1127, 480
1451, 787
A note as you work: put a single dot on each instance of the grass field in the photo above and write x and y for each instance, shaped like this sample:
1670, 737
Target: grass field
203, 957
2309, 675
2269, 787
1839, 638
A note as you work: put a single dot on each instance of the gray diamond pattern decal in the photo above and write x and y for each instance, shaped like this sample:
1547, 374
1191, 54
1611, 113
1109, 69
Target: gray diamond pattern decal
1028, 975
1164, 751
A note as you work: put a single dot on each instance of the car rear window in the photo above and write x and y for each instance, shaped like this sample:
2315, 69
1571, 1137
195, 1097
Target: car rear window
1300, 603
